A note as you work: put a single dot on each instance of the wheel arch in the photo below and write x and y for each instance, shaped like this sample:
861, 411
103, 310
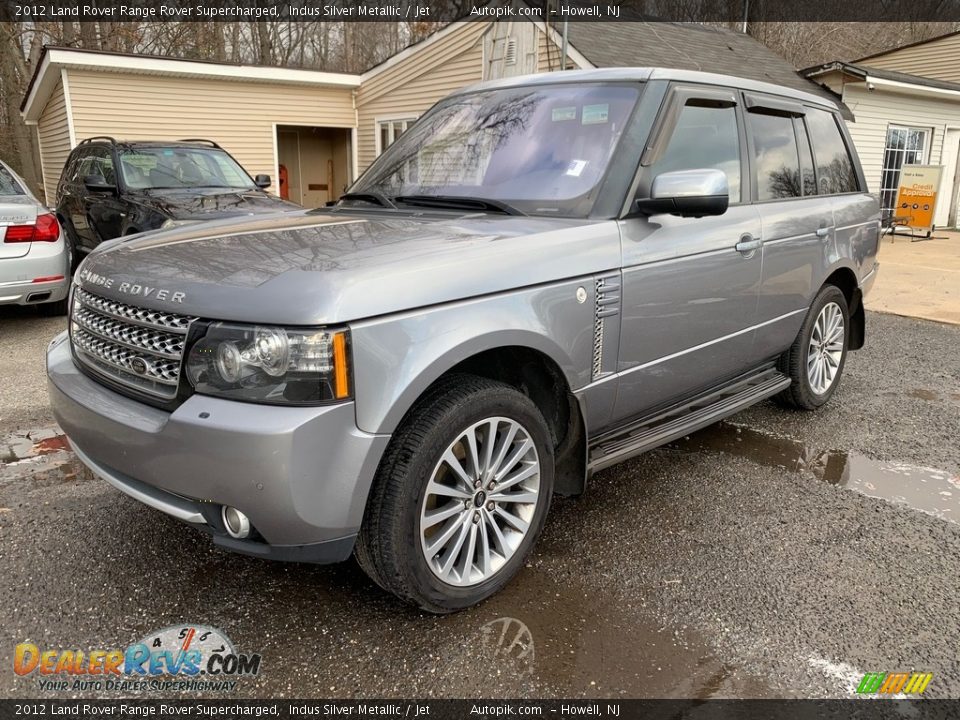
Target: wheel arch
526, 360
845, 279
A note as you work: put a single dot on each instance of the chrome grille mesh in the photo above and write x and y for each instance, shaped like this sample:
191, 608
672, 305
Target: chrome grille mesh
136, 347
140, 316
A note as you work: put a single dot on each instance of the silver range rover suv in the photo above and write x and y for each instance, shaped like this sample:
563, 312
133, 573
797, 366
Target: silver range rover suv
543, 277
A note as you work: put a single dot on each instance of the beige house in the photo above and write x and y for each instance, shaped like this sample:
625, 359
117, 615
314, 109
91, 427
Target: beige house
907, 108
319, 130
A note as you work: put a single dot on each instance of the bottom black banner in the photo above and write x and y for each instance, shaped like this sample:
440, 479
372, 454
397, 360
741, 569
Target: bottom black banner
465, 709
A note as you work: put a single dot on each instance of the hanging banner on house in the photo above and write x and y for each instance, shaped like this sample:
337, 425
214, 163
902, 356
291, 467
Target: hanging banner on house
917, 195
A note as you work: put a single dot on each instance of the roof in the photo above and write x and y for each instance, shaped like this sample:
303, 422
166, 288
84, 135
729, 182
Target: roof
865, 73
644, 74
689, 46
53, 59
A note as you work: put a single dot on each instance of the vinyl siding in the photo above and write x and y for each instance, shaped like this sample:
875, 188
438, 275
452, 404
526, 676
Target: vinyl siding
875, 111
237, 115
938, 59
54, 134
548, 54
411, 86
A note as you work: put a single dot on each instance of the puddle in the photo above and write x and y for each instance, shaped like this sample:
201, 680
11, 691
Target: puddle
929, 490
923, 394
568, 638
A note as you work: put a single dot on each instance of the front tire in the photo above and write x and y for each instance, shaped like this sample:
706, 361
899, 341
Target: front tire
460, 496
816, 359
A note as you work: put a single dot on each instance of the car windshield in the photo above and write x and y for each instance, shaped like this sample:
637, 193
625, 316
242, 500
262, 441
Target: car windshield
146, 168
8, 185
541, 150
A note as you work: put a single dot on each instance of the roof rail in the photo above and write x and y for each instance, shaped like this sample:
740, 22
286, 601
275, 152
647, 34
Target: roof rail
98, 137
202, 140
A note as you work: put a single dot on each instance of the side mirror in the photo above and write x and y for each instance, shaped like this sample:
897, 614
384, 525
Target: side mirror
687, 193
262, 181
97, 183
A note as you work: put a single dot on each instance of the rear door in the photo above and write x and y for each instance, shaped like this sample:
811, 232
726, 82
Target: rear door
689, 294
798, 223
855, 212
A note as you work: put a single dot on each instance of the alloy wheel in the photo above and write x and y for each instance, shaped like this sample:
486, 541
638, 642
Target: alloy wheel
480, 501
826, 348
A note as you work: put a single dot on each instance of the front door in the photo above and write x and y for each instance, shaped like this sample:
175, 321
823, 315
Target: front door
689, 294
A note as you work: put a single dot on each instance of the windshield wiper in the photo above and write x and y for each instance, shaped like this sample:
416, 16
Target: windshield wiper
458, 202
371, 196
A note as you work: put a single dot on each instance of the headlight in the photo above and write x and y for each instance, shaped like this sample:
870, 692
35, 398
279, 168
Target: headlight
277, 366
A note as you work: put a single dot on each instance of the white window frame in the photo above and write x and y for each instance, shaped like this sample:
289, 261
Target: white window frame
924, 159
380, 121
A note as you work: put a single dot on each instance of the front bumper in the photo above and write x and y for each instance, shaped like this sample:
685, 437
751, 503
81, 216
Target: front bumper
301, 475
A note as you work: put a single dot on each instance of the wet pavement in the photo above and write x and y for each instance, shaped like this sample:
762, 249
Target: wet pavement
777, 554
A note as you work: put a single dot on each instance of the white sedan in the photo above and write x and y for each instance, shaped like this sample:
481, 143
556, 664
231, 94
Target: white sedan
35, 261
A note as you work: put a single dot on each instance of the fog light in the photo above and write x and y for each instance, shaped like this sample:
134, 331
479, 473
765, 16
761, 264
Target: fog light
236, 523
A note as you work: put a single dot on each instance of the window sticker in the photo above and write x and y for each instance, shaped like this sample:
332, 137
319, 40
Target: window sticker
564, 113
576, 168
595, 114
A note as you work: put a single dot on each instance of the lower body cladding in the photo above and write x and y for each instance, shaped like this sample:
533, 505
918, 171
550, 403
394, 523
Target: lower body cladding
298, 476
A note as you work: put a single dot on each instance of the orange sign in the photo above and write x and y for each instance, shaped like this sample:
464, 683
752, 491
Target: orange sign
917, 196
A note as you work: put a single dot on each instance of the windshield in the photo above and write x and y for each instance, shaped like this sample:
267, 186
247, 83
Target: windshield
157, 168
542, 150
9, 186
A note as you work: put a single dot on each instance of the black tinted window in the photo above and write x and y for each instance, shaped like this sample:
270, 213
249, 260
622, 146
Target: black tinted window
776, 162
834, 167
705, 137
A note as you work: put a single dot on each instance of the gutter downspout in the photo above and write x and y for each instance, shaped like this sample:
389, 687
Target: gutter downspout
563, 53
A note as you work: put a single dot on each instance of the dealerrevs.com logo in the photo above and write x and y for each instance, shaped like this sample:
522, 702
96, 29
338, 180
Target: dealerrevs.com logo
177, 658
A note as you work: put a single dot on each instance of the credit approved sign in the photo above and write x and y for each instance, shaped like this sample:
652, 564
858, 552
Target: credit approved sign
917, 195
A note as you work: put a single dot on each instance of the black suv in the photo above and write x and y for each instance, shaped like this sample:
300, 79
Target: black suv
111, 188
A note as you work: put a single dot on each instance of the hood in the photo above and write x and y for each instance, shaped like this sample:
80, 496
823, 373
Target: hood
322, 267
210, 204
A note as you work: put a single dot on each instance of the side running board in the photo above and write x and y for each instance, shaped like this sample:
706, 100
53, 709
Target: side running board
703, 410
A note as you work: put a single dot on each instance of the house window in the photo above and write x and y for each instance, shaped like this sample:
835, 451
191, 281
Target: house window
389, 130
905, 146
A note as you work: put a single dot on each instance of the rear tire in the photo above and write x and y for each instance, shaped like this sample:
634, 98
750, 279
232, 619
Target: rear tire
815, 360
445, 538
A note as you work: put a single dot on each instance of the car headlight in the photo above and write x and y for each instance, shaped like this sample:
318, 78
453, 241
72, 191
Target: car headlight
273, 365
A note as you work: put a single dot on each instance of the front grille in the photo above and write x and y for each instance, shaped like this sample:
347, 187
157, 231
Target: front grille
139, 348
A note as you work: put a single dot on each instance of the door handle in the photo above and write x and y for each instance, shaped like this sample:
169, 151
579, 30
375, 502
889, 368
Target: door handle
747, 245
823, 232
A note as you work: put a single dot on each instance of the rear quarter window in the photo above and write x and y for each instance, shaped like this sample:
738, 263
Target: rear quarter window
9, 186
835, 168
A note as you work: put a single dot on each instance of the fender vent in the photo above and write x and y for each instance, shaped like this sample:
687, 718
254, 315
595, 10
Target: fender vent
608, 304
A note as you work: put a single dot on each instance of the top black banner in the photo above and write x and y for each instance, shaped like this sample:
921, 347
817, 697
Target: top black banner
438, 11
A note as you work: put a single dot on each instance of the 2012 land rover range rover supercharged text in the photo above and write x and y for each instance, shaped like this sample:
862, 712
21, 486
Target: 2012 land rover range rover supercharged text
542, 277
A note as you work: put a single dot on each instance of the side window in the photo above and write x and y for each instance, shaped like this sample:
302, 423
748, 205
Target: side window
103, 165
705, 137
807, 178
776, 159
835, 172
86, 165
